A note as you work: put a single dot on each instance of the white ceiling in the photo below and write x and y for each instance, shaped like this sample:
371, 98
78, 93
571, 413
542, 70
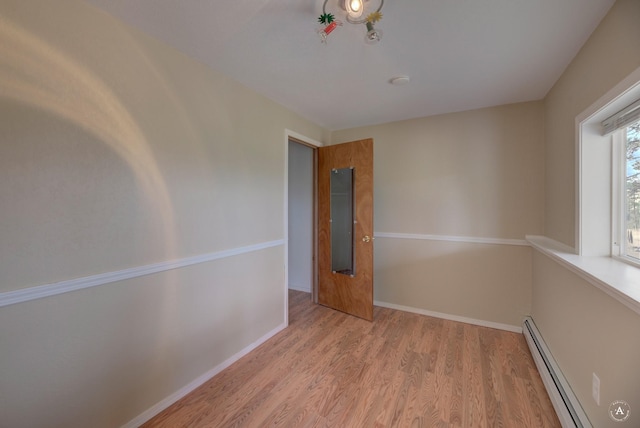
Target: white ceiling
460, 54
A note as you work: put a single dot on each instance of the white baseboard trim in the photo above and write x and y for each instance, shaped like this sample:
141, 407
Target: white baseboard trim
191, 386
300, 287
450, 238
481, 323
40, 291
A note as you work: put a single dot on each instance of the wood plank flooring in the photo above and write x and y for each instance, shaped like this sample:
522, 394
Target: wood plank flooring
328, 369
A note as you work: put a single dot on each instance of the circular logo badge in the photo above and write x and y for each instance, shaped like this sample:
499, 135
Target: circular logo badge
619, 411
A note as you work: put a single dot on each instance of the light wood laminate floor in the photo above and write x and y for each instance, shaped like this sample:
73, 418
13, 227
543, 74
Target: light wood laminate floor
328, 369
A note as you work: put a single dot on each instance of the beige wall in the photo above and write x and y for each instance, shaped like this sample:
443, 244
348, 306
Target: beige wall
586, 330
611, 53
476, 174
118, 152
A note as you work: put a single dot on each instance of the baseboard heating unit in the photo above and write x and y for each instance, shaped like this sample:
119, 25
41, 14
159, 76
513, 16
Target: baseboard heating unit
562, 397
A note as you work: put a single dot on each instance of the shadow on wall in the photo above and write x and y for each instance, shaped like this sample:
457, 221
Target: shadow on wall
89, 178
38, 75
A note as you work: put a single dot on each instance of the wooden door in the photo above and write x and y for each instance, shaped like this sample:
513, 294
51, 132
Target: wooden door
345, 272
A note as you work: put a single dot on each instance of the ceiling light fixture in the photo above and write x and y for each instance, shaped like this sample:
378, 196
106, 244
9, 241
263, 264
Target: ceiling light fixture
365, 12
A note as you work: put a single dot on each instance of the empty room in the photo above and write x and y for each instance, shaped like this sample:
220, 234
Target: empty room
319, 213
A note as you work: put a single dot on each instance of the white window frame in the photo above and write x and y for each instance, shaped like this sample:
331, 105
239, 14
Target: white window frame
599, 180
617, 192
618, 197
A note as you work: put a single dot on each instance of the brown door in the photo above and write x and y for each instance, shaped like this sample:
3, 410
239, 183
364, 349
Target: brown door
345, 227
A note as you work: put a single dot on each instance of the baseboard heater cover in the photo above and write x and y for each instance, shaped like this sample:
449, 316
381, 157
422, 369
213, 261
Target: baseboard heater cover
567, 406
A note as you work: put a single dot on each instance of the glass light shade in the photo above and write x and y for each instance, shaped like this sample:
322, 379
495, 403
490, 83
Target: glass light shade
373, 36
354, 8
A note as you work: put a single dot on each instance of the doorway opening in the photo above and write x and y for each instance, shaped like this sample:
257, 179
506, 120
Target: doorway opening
300, 211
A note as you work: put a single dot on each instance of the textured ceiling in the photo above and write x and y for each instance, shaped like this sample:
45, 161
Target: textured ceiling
460, 54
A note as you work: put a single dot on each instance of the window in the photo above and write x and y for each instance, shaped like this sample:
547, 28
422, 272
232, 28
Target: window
605, 209
631, 196
624, 127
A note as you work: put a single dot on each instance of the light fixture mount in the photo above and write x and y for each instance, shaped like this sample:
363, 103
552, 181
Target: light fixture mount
399, 80
366, 12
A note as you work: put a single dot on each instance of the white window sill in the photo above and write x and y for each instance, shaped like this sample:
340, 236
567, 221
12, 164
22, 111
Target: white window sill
616, 278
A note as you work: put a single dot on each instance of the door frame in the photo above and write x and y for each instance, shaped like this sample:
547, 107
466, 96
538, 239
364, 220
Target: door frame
290, 135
